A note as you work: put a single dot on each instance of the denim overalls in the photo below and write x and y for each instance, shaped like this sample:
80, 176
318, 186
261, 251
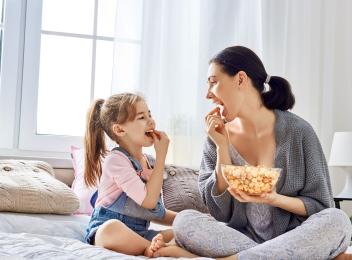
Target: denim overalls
126, 210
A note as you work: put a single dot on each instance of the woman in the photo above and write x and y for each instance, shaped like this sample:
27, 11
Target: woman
295, 221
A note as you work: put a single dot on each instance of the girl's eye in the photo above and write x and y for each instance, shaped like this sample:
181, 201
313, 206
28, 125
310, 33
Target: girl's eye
141, 117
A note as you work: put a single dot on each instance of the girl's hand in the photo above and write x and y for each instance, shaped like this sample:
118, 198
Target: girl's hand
216, 128
266, 198
161, 143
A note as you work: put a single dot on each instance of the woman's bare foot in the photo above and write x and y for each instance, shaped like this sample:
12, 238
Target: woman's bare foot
344, 256
173, 251
157, 243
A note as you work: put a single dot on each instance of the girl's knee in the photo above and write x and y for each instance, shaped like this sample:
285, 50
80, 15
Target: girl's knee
106, 232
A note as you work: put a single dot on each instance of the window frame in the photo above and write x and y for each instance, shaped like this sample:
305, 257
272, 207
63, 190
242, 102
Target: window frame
19, 86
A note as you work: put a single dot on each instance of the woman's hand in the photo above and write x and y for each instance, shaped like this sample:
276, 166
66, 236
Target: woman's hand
265, 198
216, 127
290, 204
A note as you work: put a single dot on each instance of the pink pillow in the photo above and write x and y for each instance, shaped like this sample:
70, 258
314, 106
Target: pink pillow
83, 192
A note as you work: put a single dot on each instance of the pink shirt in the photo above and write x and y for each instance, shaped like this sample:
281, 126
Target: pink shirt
118, 175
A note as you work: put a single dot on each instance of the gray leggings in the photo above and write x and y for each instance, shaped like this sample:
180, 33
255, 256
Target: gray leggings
323, 235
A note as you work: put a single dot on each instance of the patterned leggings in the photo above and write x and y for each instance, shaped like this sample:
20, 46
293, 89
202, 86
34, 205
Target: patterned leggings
323, 235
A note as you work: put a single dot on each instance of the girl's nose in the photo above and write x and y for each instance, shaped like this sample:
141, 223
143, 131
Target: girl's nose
152, 122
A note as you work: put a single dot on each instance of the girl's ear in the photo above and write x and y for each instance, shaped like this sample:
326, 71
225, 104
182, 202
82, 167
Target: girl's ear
118, 130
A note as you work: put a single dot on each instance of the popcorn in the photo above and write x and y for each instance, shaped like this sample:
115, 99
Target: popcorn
253, 180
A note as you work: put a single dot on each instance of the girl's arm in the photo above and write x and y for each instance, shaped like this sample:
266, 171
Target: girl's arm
168, 219
154, 184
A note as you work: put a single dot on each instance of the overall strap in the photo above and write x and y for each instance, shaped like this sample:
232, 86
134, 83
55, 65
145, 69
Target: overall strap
136, 165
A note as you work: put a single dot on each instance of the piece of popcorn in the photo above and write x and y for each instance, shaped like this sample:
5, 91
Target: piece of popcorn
254, 180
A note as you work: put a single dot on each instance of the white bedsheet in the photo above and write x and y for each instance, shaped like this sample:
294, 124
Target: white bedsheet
42, 236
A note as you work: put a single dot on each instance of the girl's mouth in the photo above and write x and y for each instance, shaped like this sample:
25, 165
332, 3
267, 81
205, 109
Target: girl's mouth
149, 133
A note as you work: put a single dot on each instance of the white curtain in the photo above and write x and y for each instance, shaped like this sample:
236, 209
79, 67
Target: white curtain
306, 41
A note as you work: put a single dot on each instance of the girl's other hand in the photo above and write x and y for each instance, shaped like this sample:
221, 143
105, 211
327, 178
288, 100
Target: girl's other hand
161, 143
216, 127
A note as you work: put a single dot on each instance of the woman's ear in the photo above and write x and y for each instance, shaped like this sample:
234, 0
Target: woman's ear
242, 78
118, 130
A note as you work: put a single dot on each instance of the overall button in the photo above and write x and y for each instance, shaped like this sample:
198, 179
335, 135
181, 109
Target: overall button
7, 168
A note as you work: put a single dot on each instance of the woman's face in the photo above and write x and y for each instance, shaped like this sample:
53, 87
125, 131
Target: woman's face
224, 90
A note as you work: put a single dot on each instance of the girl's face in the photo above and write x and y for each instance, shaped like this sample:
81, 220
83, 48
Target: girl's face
138, 131
225, 91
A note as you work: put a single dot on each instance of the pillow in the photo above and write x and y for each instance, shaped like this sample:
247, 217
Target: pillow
79, 187
180, 189
30, 187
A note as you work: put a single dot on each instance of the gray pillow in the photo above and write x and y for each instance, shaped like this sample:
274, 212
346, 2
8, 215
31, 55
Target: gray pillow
180, 189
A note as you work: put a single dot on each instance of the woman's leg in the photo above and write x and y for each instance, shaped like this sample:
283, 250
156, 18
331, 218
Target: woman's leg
204, 236
116, 236
323, 235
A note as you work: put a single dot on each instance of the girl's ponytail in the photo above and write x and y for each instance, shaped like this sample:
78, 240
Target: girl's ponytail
94, 144
279, 96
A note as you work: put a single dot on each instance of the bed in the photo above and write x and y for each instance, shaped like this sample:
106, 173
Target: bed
48, 236
29, 235
28, 188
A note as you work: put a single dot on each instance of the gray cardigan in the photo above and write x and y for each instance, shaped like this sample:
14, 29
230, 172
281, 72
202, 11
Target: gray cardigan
304, 175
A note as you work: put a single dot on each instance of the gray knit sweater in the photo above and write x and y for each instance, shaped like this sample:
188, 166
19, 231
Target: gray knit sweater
304, 175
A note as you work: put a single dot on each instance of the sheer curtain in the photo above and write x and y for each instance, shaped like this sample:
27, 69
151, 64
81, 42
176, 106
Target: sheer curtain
178, 39
305, 41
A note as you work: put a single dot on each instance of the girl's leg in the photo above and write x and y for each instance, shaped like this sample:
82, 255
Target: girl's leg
204, 236
323, 235
116, 236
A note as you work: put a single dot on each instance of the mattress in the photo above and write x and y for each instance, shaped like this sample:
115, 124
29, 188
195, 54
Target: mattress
46, 236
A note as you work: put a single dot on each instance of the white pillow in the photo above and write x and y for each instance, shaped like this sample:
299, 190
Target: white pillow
30, 187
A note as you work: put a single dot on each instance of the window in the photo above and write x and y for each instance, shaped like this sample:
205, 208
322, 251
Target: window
11, 40
74, 53
1, 28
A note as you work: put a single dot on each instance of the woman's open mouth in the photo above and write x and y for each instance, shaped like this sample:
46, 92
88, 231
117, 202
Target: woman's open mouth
223, 111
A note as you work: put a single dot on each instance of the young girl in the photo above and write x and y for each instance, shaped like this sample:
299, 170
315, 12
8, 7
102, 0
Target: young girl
128, 195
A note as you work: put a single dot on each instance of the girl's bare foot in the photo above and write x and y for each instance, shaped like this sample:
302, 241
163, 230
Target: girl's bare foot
157, 243
173, 251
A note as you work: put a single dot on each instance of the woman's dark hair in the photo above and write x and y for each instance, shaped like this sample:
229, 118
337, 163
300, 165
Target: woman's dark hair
238, 58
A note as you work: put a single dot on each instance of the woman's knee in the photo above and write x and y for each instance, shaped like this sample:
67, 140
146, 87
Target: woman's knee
185, 218
338, 218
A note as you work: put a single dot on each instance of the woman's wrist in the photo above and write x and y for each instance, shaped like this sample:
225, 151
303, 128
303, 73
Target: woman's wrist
220, 148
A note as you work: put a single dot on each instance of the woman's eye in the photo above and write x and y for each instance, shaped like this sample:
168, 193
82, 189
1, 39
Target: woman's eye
141, 117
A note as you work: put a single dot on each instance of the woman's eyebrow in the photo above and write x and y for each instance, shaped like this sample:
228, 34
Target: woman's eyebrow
211, 77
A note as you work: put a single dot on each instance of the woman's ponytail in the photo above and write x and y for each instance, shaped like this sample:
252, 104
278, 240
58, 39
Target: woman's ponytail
236, 58
279, 96
94, 144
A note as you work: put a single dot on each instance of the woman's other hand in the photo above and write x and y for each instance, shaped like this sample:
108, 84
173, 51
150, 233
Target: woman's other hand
265, 198
216, 128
